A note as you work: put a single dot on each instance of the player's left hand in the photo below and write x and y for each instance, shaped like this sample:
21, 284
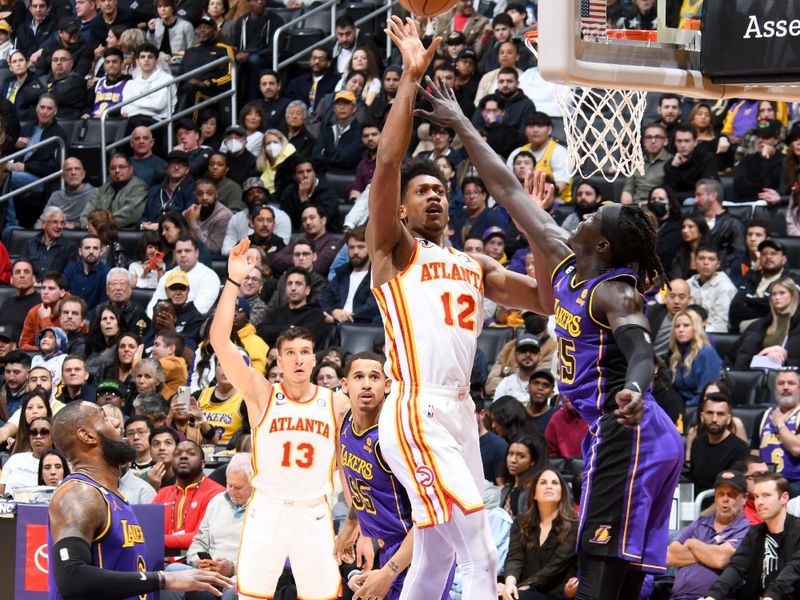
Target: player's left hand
631, 408
365, 553
446, 110
373, 585
416, 57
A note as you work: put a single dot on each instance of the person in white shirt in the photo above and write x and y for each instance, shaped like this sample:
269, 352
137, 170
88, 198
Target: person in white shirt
155, 105
254, 192
711, 288
22, 468
136, 489
527, 352
203, 282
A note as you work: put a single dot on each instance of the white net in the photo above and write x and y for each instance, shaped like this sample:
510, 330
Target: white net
603, 130
603, 127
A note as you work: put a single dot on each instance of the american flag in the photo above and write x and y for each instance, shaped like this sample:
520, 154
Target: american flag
593, 18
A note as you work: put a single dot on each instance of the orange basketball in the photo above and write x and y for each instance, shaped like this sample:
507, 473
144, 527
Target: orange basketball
428, 8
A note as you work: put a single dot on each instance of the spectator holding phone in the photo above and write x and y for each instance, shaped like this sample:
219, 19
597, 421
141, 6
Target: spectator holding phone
187, 419
148, 267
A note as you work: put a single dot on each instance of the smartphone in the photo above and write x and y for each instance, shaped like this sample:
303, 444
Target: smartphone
184, 397
204, 556
157, 257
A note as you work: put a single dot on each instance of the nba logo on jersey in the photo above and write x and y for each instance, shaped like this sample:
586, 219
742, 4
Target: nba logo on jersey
424, 476
602, 535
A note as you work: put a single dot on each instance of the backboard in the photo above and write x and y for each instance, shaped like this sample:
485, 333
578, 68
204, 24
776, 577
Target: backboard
577, 47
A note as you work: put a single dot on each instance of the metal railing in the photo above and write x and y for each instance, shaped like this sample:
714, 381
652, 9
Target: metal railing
277, 64
231, 93
21, 154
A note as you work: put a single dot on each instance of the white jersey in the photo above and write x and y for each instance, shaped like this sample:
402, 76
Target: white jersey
294, 445
432, 315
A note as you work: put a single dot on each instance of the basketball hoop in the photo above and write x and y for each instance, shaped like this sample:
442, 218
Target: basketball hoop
602, 126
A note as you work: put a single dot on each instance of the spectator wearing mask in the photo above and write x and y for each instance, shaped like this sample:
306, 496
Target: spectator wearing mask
241, 162
273, 161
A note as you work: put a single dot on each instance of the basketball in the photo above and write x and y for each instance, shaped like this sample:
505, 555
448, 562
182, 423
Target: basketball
428, 8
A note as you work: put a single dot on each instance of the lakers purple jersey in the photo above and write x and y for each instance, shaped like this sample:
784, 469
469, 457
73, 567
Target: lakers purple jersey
771, 448
118, 547
106, 95
384, 511
591, 367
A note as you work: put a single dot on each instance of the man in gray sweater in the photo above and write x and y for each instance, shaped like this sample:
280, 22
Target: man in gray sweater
73, 198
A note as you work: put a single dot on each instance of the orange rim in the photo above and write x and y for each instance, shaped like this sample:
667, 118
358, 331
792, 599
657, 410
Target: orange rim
633, 35
532, 35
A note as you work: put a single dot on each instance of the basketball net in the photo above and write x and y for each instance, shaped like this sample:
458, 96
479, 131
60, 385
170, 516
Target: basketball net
603, 127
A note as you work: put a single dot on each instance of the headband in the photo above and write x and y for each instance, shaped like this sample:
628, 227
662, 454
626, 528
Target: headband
610, 226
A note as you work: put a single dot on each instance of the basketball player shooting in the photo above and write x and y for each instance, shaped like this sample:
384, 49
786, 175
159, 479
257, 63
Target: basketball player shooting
633, 453
295, 430
431, 301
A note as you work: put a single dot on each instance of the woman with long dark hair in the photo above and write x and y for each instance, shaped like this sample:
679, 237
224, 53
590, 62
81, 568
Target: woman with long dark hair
106, 328
694, 232
541, 549
34, 405
172, 227
121, 367
21, 467
53, 467
510, 419
524, 457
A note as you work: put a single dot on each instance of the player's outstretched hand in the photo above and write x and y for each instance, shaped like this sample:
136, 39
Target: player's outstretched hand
631, 408
191, 580
446, 110
238, 266
373, 585
539, 191
405, 36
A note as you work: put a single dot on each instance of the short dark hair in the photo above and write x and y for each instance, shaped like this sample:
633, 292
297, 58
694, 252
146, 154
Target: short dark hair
299, 271
114, 52
56, 277
699, 310
345, 21
475, 181
172, 338
415, 167
187, 238
501, 103
503, 19
147, 47
122, 156
509, 71
294, 333
707, 247
446, 66
717, 397
18, 357
304, 241
781, 483
75, 300
257, 208
686, 128
136, 419
159, 430
323, 214
362, 356
670, 97
765, 225
269, 72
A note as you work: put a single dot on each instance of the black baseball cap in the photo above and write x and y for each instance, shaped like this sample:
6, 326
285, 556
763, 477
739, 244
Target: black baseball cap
543, 374
468, 54
527, 340
768, 128
732, 478
178, 155
455, 38
7, 333
187, 124
206, 20
770, 243
69, 25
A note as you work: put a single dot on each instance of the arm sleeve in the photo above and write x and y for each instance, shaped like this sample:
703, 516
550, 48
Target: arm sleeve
76, 577
637, 346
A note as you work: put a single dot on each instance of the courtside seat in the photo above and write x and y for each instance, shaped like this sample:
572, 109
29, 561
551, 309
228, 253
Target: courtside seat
492, 339
724, 343
18, 239
129, 238
747, 387
141, 296
338, 182
7, 291
791, 247
361, 338
750, 415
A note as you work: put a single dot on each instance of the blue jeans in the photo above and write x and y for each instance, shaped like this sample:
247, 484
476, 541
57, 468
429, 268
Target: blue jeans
226, 595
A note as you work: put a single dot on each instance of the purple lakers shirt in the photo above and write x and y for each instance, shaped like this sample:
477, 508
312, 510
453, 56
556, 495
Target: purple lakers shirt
771, 448
120, 547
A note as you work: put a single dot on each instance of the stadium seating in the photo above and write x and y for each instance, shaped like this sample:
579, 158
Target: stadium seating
492, 339
724, 344
361, 338
747, 387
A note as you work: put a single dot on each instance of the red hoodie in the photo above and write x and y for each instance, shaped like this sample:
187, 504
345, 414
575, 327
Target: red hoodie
184, 510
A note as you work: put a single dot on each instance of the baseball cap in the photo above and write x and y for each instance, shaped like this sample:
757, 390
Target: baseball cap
542, 374
243, 304
178, 155
109, 385
345, 95
206, 20
69, 25
770, 243
768, 128
252, 183
4, 26
7, 333
187, 124
527, 340
732, 478
237, 129
176, 277
455, 38
467, 53
493, 231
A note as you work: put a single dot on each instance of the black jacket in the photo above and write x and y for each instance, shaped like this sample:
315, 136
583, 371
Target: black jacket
274, 113
258, 32
309, 316
728, 236
27, 95
300, 87
70, 93
82, 56
683, 179
669, 240
29, 42
365, 308
44, 160
98, 28
77, 344
751, 342
321, 196
52, 258
745, 567
754, 173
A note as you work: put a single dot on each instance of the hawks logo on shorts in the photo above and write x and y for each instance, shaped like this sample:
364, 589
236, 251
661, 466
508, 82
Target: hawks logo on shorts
602, 535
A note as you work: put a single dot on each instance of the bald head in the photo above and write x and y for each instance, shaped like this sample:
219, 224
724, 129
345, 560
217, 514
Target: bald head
678, 296
67, 422
141, 142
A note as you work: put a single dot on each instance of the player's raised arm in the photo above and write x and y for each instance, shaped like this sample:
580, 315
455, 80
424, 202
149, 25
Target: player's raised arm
500, 180
387, 239
252, 385
507, 288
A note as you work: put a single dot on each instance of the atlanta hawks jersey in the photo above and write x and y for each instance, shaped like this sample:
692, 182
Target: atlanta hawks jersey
432, 315
294, 446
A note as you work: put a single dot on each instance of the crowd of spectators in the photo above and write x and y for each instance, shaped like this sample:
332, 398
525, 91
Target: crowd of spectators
90, 316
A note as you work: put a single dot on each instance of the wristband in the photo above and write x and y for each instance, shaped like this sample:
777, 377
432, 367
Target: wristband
234, 283
162, 580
